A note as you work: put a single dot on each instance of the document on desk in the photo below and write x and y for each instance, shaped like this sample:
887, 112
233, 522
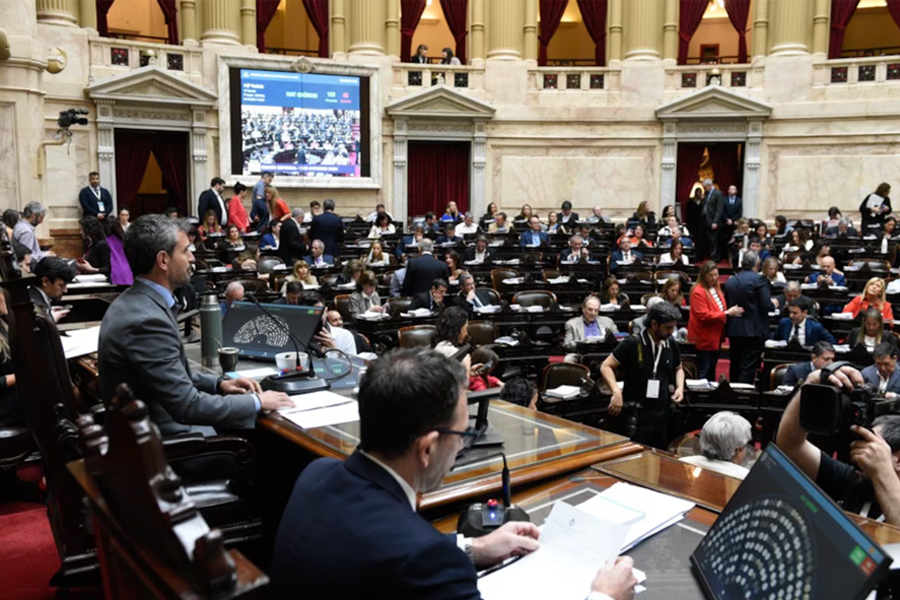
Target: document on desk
78, 342
320, 409
574, 545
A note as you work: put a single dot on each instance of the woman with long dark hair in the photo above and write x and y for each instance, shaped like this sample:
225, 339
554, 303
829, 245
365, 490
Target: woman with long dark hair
875, 208
96, 258
447, 57
453, 329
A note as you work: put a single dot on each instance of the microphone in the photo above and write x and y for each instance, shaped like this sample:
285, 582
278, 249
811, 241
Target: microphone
481, 519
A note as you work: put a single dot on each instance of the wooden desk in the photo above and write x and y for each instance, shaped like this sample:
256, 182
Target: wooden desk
538, 446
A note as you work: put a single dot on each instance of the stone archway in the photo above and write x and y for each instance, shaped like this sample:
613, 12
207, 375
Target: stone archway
713, 114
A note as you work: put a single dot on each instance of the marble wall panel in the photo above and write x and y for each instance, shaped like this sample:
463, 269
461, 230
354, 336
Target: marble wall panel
9, 152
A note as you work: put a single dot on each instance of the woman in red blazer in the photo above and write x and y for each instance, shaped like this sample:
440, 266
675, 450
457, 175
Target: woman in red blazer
707, 320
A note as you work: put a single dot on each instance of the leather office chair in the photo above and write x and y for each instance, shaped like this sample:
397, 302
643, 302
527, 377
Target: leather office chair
417, 336
490, 293
776, 376
542, 298
399, 304
342, 304
636, 276
364, 242
498, 275
685, 280
16, 447
557, 374
690, 368
551, 274
483, 332
267, 264
253, 286
646, 297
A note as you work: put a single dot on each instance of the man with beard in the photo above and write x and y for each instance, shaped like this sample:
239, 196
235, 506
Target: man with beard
650, 363
350, 529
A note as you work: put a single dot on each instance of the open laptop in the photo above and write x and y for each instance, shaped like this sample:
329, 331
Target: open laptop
258, 336
781, 537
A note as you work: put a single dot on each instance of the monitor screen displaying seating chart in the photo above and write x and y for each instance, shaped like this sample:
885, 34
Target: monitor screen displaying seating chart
781, 537
257, 335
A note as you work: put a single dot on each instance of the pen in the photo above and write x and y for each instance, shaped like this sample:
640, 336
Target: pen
299, 410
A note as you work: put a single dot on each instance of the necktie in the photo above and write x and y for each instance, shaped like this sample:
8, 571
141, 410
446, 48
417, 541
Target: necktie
796, 334
477, 302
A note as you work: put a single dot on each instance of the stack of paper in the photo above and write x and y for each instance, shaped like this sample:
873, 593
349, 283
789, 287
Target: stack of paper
697, 384
253, 373
742, 386
514, 280
776, 343
93, 278
558, 280
507, 341
79, 342
318, 409
842, 316
419, 312
566, 392
371, 315
490, 308
609, 308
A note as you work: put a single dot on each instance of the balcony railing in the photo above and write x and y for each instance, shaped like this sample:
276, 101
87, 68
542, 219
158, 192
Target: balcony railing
573, 79
851, 71
111, 56
292, 51
698, 76
414, 77
867, 52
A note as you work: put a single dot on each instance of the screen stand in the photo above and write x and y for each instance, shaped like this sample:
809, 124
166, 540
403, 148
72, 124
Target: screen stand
291, 384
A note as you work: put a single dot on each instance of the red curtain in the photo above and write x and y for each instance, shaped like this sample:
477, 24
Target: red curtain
893, 7
593, 12
739, 13
170, 9
688, 22
317, 10
456, 13
409, 19
265, 12
841, 13
724, 160
171, 151
690, 156
132, 152
103, 7
551, 14
438, 173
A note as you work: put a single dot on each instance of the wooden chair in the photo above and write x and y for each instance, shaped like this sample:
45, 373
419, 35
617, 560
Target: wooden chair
557, 374
151, 539
342, 304
417, 336
483, 332
543, 298
690, 368
776, 376
498, 275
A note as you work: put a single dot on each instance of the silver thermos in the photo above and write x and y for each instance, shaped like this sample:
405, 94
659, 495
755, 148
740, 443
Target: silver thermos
210, 329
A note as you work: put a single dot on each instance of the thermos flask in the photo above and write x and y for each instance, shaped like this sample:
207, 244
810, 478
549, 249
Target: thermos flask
210, 329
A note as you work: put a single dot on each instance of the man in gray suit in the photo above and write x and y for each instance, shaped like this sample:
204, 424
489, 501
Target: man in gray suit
884, 375
140, 344
588, 325
711, 217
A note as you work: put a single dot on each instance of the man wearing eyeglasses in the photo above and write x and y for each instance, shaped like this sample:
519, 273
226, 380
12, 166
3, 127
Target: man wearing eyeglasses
350, 529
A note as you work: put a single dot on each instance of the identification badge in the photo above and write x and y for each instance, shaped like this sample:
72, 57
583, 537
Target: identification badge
101, 207
653, 388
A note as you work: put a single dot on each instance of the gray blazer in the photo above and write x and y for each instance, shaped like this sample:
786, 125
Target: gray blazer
358, 303
140, 346
870, 374
575, 329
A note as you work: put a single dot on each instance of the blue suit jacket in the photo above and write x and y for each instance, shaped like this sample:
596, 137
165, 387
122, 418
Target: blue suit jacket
836, 277
528, 238
815, 332
797, 373
89, 204
750, 291
329, 228
348, 533
870, 374
616, 256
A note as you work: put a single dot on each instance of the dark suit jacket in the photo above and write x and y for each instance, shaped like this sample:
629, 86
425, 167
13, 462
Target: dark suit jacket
89, 204
395, 552
329, 228
616, 257
732, 211
714, 207
573, 218
868, 219
782, 304
526, 238
421, 271
311, 261
140, 345
291, 247
443, 239
208, 201
469, 254
749, 290
815, 332
853, 338
424, 300
797, 373
37, 298
460, 301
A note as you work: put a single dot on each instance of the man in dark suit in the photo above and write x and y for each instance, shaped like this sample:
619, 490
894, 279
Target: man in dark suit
368, 502
449, 236
317, 256
576, 251
623, 255
711, 220
211, 199
53, 275
566, 216
421, 271
792, 292
732, 210
140, 343
747, 333
291, 247
480, 251
292, 291
433, 299
534, 236
95, 201
327, 227
822, 356
797, 325
469, 298
884, 376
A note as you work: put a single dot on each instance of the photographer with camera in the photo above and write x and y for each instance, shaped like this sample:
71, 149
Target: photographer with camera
870, 487
650, 363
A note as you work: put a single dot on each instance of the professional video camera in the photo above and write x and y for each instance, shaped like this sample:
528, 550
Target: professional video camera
827, 410
70, 117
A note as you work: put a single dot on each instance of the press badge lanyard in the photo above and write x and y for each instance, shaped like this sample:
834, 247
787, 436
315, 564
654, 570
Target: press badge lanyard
653, 383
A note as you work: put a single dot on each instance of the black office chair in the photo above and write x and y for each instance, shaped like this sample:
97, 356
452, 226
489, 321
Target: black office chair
267, 264
776, 377
557, 374
543, 298
417, 336
483, 332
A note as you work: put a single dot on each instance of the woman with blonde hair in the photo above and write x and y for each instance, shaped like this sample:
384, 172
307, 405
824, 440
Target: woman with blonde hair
278, 208
210, 225
771, 270
644, 214
376, 255
707, 319
300, 274
874, 295
671, 292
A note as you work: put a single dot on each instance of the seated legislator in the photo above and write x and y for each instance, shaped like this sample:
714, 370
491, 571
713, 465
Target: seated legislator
409, 243
534, 236
452, 332
640, 324
884, 376
480, 252
576, 251
797, 325
792, 292
675, 255
501, 225
468, 226
53, 277
449, 236
317, 256
822, 356
292, 291
329, 336
469, 298
874, 295
723, 445
433, 299
365, 298
872, 332
828, 275
484, 361
337, 321
623, 255
234, 292
350, 529
611, 293
566, 216
588, 325
140, 343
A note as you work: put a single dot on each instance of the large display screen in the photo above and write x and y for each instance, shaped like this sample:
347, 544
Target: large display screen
299, 124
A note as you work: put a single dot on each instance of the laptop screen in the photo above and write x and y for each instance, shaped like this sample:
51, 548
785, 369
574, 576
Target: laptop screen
781, 537
256, 335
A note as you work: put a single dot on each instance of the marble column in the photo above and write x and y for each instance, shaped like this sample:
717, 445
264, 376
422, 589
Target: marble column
760, 28
478, 195
367, 18
392, 30
530, 33
221, 22
57, 12
615, 34
337, 32
670, 31
821, 18
248, 23
476, 32
750, 193
506, 32
401, 178
87, 14
669, 164
188, 11
791, 27
643, 29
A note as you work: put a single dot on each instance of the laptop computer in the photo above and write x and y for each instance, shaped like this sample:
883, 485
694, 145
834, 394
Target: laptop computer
253, 332
781, 537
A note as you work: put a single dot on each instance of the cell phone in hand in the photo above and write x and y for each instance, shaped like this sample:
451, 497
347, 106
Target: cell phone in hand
66, 307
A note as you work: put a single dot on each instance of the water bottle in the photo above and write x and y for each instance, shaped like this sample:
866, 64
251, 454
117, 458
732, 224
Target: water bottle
210, 330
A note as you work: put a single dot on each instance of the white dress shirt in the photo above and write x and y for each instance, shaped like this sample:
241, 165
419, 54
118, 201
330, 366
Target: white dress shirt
222, 207
463, 229
800, 331
407, 489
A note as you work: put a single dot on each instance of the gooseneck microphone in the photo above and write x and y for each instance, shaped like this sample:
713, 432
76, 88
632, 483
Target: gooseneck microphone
280, 324
481, 519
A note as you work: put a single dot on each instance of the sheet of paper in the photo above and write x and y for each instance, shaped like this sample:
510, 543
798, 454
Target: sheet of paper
88, 284
329, 415
253, 373
94, 277
574, 545
79, 342
315, 400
